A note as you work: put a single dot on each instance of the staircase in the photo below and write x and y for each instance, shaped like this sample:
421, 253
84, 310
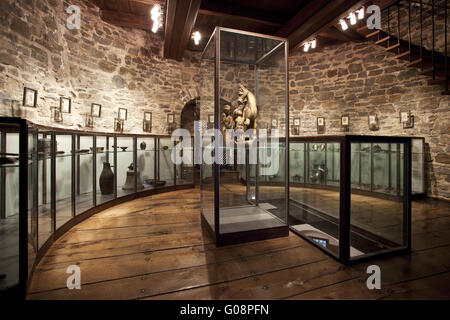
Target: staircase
396, 18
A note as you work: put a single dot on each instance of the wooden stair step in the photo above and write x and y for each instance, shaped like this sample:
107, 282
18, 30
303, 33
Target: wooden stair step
370, 35
383, 40
414, 63
364, 28
395, 46
403, 54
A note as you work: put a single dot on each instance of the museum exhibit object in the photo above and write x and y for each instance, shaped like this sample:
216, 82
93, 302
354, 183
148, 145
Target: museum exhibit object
235, 212
69, 175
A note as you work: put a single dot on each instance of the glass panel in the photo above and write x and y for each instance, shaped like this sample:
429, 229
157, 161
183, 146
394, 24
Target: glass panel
9, 218
206, 113
166, 165
146, 155
32, 197
106, 169
44, 187
84, 163
297, 162
63, 179
418, 175
252, 94
314, 210
185, 171
125, 167
378, 218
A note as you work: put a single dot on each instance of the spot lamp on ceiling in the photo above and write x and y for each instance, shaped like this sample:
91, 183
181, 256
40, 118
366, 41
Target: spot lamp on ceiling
197, 37
313, 43
156, 17
306, 46
352, 18
360, 13
343, 24
310, 44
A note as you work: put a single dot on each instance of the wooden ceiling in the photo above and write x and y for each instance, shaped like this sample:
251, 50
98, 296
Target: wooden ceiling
297, 20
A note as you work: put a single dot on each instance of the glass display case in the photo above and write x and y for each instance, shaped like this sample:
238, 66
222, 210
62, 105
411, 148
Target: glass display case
243, 85
17, 214
351, 195
70, 175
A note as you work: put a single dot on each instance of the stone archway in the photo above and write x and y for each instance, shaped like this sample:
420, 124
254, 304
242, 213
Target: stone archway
189, 114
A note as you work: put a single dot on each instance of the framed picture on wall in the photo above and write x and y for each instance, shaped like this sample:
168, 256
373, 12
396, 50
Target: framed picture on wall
29, 97
118, 125
170, 118
373, 122
404, 116
297, 122
274, 123
96, 110
345, 121
211, 118
123, 114
65, 105
147, 116
320, 121
410, 123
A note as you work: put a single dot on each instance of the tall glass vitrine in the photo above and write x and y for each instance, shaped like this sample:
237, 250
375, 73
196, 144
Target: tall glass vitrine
244, 86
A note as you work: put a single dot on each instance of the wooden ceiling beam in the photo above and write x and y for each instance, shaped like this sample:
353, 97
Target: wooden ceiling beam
126, 19
180, 20
322, 19
243, 18
349, 35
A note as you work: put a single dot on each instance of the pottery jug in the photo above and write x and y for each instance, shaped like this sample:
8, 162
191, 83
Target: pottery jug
107, 179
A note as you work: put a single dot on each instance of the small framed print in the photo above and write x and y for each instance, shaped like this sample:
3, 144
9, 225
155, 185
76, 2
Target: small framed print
404, 116
274, 123
320, 122
123, 114
373, 122
147, 116
344, 121
297, 122
29, 97
211, 118
96, 110
118, 125
410, 123
170, 118
65, 105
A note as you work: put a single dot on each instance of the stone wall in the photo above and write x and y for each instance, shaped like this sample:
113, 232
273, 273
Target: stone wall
360, 79
100, 63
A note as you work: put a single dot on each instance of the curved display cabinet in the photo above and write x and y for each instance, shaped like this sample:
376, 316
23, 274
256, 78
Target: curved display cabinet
63, 177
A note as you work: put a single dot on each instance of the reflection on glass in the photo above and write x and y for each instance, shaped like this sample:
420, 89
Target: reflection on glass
378, 223
9, 215
63, 184
314, 211
45, 143
84, 176
125, 167
146, 156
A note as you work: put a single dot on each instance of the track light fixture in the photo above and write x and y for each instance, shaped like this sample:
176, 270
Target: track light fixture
197, 37
310, 44
156, 17
360, 13
343, 24
352, 18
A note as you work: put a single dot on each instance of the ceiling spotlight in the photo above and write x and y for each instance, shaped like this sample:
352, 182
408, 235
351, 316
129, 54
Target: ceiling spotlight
352, 18
156, 17
313, 43
343, 24
197, 37
306, 47
360, 13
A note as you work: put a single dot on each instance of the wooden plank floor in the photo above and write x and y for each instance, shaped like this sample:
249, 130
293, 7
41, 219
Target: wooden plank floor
155, 248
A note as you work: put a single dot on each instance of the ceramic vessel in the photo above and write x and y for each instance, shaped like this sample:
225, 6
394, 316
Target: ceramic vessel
107, 179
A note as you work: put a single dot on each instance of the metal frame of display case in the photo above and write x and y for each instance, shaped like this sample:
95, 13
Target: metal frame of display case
19, 290
252, 235
345, 192
27, 127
